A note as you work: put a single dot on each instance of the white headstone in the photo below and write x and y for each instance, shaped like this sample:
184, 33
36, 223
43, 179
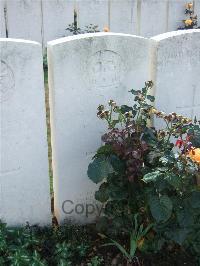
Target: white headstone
123, 16
57, 15
2, 20
176, 14
94, 12
24, 19
85, 71
177, 72
152, 17
24, 178
197, 10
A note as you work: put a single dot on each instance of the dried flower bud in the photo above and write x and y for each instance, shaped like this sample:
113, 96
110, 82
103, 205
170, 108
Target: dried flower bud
112, 103
189, 5
149, 83
100, 107
107, 113
128, 114
102, 115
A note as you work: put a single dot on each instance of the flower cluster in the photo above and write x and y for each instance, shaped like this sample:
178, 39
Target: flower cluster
191, 21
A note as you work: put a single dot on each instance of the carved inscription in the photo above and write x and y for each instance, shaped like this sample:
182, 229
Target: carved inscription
106, 69
7, 81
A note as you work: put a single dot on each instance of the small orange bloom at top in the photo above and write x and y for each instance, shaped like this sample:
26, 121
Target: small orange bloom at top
106, 29
189, 5
195, 155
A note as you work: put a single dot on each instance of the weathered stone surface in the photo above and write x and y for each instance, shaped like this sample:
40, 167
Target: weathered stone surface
57, 15
2, 20
153, 17
85, 71
123, 16
176, 72
94, 12
176, 14
197, 10
24, 178
24, 19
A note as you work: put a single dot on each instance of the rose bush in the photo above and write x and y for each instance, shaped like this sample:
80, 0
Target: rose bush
149, 172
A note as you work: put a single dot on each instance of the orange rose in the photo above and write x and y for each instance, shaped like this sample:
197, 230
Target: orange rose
106, 29
195, 155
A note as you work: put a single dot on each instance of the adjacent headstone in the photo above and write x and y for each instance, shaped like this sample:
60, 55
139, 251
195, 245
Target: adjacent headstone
94, 12
24, 178
177, 71
57, 15
85, 71
153, 17
176, 14
24, 19
197, 11
123, 16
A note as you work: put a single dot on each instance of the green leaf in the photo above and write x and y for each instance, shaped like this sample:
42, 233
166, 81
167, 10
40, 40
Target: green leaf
126, 108
149, 136
99, 169
102, 194
185, 217
153, 156
173, 180
195, 139
135, 92
194, 200
152, 177
104, 150
133, 245
117, 164
168, 159
178, 235
151, 98
161, 207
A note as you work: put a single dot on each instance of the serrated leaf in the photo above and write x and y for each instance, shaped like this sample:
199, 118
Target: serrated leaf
152, 177
173, 180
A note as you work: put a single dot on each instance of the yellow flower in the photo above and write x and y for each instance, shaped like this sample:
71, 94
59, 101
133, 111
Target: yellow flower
188, 22
195, 155
106, 29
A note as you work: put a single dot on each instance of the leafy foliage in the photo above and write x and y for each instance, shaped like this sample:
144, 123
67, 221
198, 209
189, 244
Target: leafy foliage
44, 246
149, 172
75, 30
